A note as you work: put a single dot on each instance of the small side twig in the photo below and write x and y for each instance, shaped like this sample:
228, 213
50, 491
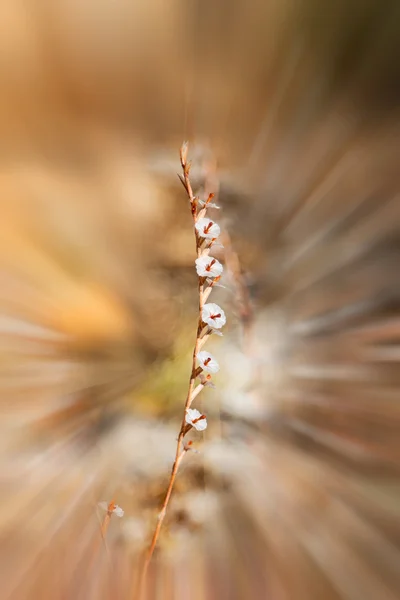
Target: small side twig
111, 509
211, 318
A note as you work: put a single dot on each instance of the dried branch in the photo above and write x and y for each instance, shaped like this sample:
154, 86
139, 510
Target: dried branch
211, 318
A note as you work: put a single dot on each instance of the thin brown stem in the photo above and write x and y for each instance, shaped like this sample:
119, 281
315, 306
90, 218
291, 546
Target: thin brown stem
162, 513
191, 394
107, 519
105, 524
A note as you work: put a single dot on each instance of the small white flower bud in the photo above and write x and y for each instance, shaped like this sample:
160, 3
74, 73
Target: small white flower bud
196, 419
207, 266
213, 315
207, 228
207, 362
112, 508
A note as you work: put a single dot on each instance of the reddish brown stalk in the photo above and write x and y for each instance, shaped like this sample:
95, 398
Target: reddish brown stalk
181, 449
105, 524
103, 530
107, 519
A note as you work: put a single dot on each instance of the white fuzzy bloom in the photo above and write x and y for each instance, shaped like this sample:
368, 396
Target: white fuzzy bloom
207, 228
196, 419
213, 315
207, 266
118, 511
207, 362
112, 508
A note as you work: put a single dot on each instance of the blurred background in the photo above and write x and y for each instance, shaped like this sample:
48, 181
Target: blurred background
292, 114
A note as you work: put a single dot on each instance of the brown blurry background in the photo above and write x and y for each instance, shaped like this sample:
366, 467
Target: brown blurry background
292, 113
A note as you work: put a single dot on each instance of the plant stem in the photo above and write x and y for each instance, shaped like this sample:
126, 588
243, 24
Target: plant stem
180, 453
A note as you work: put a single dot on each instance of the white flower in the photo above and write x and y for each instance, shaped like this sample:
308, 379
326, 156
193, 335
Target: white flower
207, 362
112, 508
196, 419
207, 266
118, 511
207, 228
213, 315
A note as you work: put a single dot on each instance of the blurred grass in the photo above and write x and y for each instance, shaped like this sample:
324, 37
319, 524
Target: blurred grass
299, 468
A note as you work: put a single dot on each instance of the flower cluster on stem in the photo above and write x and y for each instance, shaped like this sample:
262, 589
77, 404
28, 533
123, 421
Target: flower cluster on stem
211, 319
